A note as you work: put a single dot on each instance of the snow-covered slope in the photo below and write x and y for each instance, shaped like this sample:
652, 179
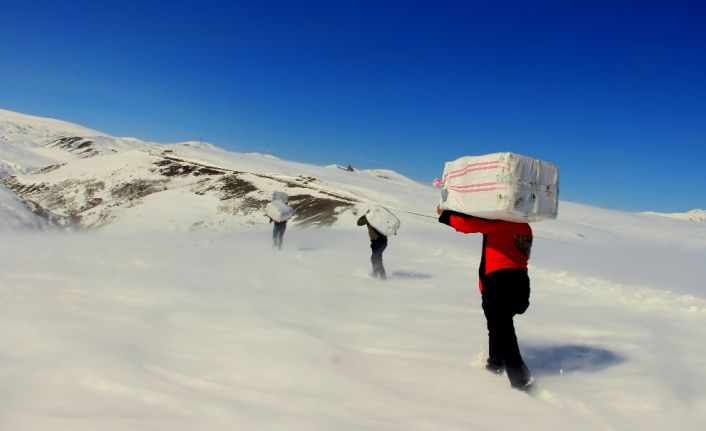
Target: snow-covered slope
697, 215
138, 324
18, 215
88, 180
28, 142
219, 331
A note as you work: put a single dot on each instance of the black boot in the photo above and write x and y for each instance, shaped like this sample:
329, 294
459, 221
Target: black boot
520, 377
495, 366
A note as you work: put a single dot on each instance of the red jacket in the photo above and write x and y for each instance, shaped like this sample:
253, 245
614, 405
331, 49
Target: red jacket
506, 245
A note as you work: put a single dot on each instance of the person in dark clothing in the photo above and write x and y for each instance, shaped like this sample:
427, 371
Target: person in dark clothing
378, 244
278, 233
504, 286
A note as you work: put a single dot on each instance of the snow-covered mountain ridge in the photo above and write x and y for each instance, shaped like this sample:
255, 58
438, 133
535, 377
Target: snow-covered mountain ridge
85, 179
697, 215
79, 177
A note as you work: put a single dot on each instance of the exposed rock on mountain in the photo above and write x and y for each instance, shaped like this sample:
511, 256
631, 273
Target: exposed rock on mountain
82, 179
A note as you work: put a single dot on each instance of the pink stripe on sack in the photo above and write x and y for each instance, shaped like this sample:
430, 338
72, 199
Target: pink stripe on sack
460, 174
480, 187
475, 167
494, 162
471, 168
473, 190
470, 186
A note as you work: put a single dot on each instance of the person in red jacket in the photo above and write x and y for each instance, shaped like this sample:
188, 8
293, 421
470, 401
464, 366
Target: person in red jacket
504, 286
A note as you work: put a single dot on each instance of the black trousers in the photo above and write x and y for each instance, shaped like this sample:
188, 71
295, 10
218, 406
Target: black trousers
506, 294
378, 246
278, 234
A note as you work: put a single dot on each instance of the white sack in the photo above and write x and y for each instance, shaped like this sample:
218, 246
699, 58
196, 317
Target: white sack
504, 186
279, 211
280, 196
383, 220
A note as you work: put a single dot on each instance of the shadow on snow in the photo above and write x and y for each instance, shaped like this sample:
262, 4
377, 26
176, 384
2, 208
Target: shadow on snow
568, 359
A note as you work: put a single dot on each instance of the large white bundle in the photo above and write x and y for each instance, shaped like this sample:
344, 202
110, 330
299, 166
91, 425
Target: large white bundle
504, 186
382, 220
279, 211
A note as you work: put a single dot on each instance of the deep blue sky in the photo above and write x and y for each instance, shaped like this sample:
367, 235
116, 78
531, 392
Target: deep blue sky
613, 92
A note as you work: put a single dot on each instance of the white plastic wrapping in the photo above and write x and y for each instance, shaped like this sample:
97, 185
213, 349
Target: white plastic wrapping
503, 186
279, 211
383, 220
280, 196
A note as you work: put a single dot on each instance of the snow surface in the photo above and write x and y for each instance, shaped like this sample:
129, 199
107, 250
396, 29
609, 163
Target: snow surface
219, 331
144, 325
22, 139
697, 215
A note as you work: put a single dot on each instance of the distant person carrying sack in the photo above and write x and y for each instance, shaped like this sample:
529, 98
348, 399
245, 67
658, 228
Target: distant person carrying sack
381, 224
279, 212
504, 286
378, 243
